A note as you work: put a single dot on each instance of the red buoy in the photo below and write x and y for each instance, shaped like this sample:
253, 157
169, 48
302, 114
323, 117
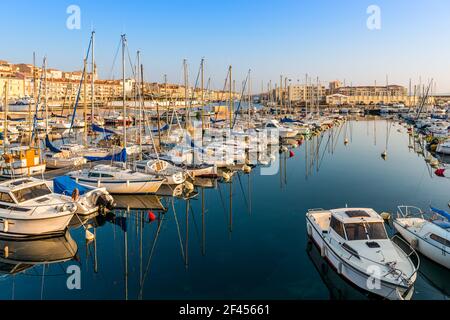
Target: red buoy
291, 154
151, 216
440, 172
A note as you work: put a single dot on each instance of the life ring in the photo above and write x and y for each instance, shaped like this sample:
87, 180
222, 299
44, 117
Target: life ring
75, 194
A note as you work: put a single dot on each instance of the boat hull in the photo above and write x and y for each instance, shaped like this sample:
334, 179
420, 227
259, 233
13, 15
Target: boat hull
123, 186
352, 274
31, 228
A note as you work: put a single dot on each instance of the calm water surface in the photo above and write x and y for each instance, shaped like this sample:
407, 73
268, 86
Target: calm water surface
256, 249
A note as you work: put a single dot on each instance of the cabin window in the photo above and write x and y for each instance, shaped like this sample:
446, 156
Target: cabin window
94, 175
107, 175
5, 197
441, 240
355, 231
32, 193
376, 231
338, 227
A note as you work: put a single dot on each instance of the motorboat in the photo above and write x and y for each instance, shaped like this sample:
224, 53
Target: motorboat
20, 162
117, 179
428, 235
274, 125
70, 155
356, 244
88, 199
443, 147
162, 169
28, 208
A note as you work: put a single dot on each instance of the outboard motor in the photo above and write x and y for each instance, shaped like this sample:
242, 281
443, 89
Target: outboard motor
105, 201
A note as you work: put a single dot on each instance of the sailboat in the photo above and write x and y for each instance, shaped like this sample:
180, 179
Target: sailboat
20, 161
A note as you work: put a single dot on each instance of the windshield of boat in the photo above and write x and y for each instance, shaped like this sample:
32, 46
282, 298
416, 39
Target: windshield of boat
365, 231
31, 193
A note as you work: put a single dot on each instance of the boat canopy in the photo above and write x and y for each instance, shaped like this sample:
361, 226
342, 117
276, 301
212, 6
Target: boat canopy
97, 128
50, 145
442, 213
65, 185
117, 157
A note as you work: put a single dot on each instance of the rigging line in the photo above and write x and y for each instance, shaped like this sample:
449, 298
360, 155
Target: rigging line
195, 226
150, 257
243, 193
111, 76
178, 228
240, 100
223, 203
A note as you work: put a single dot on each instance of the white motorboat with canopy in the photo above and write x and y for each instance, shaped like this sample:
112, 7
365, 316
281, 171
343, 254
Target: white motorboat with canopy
28, 208
428, 233
355, 242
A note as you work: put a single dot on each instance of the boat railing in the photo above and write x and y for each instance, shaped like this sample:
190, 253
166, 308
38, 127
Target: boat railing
404, 211
412, 253
392, 268
316, 210
11, 209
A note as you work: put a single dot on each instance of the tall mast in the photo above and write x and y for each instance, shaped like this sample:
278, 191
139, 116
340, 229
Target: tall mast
93, 70
85, 102
202, 93
185, 92
34, 98
231, 98
124, 93
249, 96
140, 84
46, 96
5, 113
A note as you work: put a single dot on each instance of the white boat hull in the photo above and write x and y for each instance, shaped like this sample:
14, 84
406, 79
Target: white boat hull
123, 187
355, 276
438, 255
24, 228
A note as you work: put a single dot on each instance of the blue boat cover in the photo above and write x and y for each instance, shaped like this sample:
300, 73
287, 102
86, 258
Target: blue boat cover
442, 213
288, 120
65, 185
166, 127
97, 128
118, 157
50, 146
442, 224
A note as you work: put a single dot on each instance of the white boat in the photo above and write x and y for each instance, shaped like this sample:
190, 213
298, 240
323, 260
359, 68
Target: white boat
28, 208
429, 236
20, 162
443, 147
70, 156
274, 125
162, 169
355, 242
117, 180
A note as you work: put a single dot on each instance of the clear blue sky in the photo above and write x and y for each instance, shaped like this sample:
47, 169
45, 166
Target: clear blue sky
328, 39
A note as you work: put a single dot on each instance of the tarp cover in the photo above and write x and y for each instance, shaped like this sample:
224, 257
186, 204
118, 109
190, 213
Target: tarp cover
442, 213
118, 157
50, 146
97, 128
65, 185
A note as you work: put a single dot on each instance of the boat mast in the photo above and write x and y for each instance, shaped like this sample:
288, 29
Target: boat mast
5, 109
202, 94
84, 102
231, 97
249, 97
34, 98
124, 93
93, 70
139, 84
185, 92
46, 96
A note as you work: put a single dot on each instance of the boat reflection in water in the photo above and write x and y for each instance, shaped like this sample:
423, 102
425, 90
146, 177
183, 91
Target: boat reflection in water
435, 275
339, 288
18, 256
139, 202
